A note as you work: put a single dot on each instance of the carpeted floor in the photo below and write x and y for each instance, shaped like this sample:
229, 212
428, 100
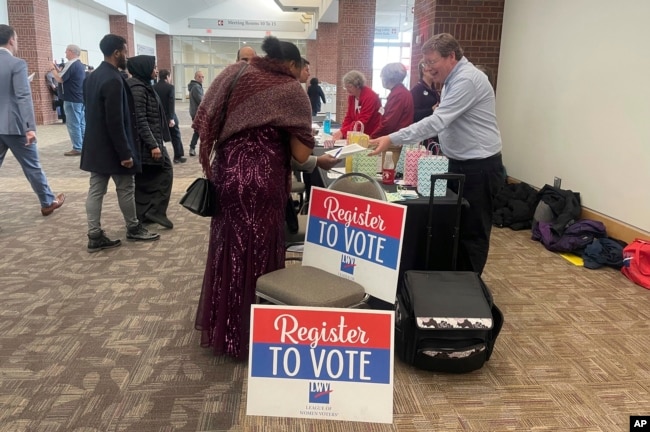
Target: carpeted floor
105, 342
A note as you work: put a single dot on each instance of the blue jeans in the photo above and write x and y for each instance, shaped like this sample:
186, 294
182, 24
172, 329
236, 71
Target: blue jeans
76, 122
27, 157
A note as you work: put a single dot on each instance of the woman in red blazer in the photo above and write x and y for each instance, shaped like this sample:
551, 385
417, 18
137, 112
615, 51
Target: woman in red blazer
363, 105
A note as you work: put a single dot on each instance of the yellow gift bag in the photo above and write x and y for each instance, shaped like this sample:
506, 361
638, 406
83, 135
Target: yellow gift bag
356, 136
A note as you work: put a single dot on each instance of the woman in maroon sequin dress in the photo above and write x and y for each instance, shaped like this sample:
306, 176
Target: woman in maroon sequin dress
268, 121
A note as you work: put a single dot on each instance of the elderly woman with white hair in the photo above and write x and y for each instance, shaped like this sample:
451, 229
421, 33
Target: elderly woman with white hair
363, 105
398, 112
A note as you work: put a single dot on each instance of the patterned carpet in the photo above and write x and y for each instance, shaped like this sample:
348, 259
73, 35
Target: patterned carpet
105, 342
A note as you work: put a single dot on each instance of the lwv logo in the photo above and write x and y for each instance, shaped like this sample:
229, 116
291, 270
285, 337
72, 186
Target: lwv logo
319, 392
347, 264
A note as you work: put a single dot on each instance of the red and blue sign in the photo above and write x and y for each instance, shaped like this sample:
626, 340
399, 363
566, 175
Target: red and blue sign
321, 363
319, 346
356, 238
357, 227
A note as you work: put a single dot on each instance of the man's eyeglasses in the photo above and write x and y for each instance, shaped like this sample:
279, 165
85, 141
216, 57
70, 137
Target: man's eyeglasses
426, 63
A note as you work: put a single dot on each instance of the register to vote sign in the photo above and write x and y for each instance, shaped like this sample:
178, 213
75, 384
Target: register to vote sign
321, 363
356, 238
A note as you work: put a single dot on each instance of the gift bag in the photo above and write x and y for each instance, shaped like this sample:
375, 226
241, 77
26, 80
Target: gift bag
400, 166
428, 165
356, 136
411, 164
362, 163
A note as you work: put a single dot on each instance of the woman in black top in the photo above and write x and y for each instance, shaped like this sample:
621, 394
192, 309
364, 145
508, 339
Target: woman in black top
315, 93
425, 96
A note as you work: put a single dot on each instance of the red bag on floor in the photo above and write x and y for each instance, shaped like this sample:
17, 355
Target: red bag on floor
636, 262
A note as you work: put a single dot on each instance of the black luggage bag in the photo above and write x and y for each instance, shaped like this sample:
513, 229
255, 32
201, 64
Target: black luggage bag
445, 320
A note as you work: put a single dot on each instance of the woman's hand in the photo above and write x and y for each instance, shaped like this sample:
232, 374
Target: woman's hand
156, 153
326, 161
337, 135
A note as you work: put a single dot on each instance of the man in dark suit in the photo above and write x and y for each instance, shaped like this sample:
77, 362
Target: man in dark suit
109, 150
165, 91
17, 122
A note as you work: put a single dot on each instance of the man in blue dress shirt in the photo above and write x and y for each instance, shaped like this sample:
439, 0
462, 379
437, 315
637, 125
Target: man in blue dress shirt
465, 122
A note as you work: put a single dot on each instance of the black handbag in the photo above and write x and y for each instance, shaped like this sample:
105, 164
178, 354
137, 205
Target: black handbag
199, 198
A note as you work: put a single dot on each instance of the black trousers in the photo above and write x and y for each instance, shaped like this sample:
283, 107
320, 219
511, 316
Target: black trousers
177, 143
195, 138
483, 180
153, 187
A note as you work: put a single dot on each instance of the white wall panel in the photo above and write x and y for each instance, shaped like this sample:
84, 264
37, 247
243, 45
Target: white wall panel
573, 100
72, 22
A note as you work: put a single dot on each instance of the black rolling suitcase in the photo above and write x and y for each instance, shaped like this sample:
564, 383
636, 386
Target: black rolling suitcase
445, 320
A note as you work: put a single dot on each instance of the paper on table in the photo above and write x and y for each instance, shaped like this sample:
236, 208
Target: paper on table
408, 193
349, 150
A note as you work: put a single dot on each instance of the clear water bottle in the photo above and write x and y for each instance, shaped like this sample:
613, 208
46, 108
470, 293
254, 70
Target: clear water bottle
388, 170
327, 124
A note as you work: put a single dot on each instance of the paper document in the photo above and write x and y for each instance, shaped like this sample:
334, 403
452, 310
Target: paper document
408, 193
348, 150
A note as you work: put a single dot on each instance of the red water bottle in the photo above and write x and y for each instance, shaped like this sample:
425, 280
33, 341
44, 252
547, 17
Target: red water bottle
388, 171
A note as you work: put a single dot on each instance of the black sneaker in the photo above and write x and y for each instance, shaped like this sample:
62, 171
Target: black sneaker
100, 241
180, 160
140, 233
192, 152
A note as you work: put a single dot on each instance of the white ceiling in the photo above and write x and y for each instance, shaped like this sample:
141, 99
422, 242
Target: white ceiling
390, 13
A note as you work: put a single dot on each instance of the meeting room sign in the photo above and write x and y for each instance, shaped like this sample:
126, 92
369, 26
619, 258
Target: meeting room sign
357, 238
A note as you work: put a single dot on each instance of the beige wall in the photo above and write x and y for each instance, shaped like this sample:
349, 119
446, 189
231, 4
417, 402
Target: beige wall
573, 100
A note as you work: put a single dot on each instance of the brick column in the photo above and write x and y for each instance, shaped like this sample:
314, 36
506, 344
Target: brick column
120, 26
31, 20
423, 18
477, 29
327, 47
356, 36
311, 54
164, 52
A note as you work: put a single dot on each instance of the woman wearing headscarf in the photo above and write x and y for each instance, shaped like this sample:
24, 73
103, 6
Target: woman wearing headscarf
363, 105
267, 120
153, 187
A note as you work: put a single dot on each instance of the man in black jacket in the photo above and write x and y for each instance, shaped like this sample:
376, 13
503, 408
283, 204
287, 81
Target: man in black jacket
165, 91
109, 150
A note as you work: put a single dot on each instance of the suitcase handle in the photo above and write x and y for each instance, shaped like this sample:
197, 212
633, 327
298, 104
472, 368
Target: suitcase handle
460, 178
